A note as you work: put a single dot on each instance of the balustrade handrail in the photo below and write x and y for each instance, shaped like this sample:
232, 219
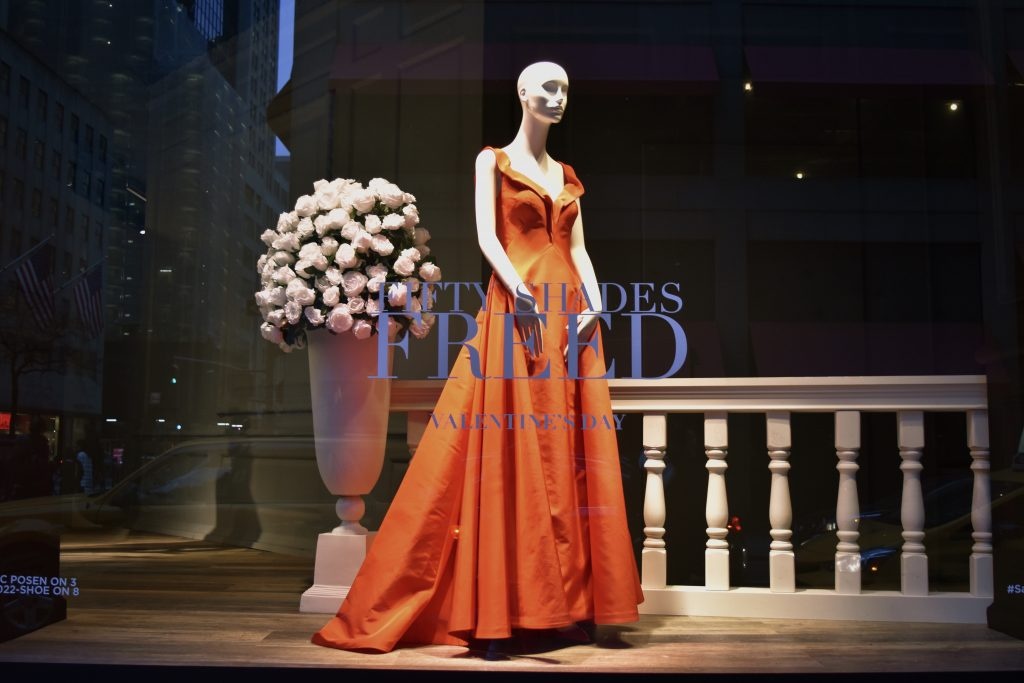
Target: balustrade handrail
760, 394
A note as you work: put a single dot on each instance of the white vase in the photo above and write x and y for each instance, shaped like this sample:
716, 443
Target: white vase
350, 419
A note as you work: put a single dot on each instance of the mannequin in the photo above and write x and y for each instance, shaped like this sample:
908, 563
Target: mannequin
512, 537
543, 91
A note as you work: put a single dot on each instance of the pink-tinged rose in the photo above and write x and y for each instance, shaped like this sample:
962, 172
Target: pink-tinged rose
372, 307
288, 242
353, 282
393, 329
329, 246
339, 319
293, 312
276, 317
397, 294
413, 284
305, 206
404, 266
268, 237
285, 347
374, 283
424, 249
287, 222
382, 245
393, 221
362, 241
282, 276
364, 200
412, 253
419, 329
377, 270
408, 198
420, 236
357, 304
350, 229
346, 256
413, 308
430, 272
372, 223
333, 276
321, 284
332, 296
271, 333
362, 329
305, 229
313, 315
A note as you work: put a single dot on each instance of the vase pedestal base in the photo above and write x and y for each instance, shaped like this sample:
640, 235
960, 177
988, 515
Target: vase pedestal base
338, 558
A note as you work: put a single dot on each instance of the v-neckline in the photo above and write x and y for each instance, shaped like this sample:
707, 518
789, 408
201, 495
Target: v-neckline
505, 164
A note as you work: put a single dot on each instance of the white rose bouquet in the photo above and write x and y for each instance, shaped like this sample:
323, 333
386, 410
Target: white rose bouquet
329, 259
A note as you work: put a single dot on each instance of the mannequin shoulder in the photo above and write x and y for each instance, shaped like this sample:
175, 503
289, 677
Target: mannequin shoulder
486, 161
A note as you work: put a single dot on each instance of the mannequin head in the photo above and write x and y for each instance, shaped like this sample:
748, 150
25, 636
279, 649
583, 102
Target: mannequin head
543, 89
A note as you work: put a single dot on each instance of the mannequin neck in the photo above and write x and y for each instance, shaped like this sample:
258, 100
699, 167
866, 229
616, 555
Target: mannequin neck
532, 139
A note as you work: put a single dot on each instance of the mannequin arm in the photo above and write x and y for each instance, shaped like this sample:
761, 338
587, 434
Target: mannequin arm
487, 235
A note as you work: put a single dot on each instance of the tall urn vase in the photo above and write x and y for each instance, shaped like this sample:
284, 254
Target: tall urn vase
350, 422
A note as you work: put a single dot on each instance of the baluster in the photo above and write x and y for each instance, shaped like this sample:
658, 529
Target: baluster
913, 560
653, 558
780, 509
716, 555
981, 505
847, 506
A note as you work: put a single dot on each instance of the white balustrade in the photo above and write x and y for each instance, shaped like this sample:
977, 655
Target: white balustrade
716, 556
653, 558
781, 560
778, 397
913, 560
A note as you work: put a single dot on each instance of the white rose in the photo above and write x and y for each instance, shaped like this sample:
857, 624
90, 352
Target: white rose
362, 241
333, 276
268, 237
404, 266
391, 196
293, 311
271, 333
356, 304
329, 246
302, 267
374, 283
362, 329
327, 198
261, 262
305, 206
373, 307
322, 284
412, 253
408, 198
350, 229
377, 270
313, 315
288, 242
298, 292
273, 296
287, 222
420, 236
337, 218
322, 223
310, 250
353, 282
430, 272
283, 276
305, 229
332, 295
382, 245
276, 317
339, 319
283, 258
377, 183
393, 221
372, 223
364, 200
397, 294
346, 256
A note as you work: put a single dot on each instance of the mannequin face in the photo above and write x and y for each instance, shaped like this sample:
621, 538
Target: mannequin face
544, 91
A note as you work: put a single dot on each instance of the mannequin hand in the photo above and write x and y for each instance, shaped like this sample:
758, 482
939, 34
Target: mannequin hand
586, 325
528, 322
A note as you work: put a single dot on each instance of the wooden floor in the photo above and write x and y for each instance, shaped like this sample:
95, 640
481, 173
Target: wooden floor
157, 600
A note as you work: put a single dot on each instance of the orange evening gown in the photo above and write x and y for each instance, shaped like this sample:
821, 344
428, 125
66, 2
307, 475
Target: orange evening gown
517, 525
